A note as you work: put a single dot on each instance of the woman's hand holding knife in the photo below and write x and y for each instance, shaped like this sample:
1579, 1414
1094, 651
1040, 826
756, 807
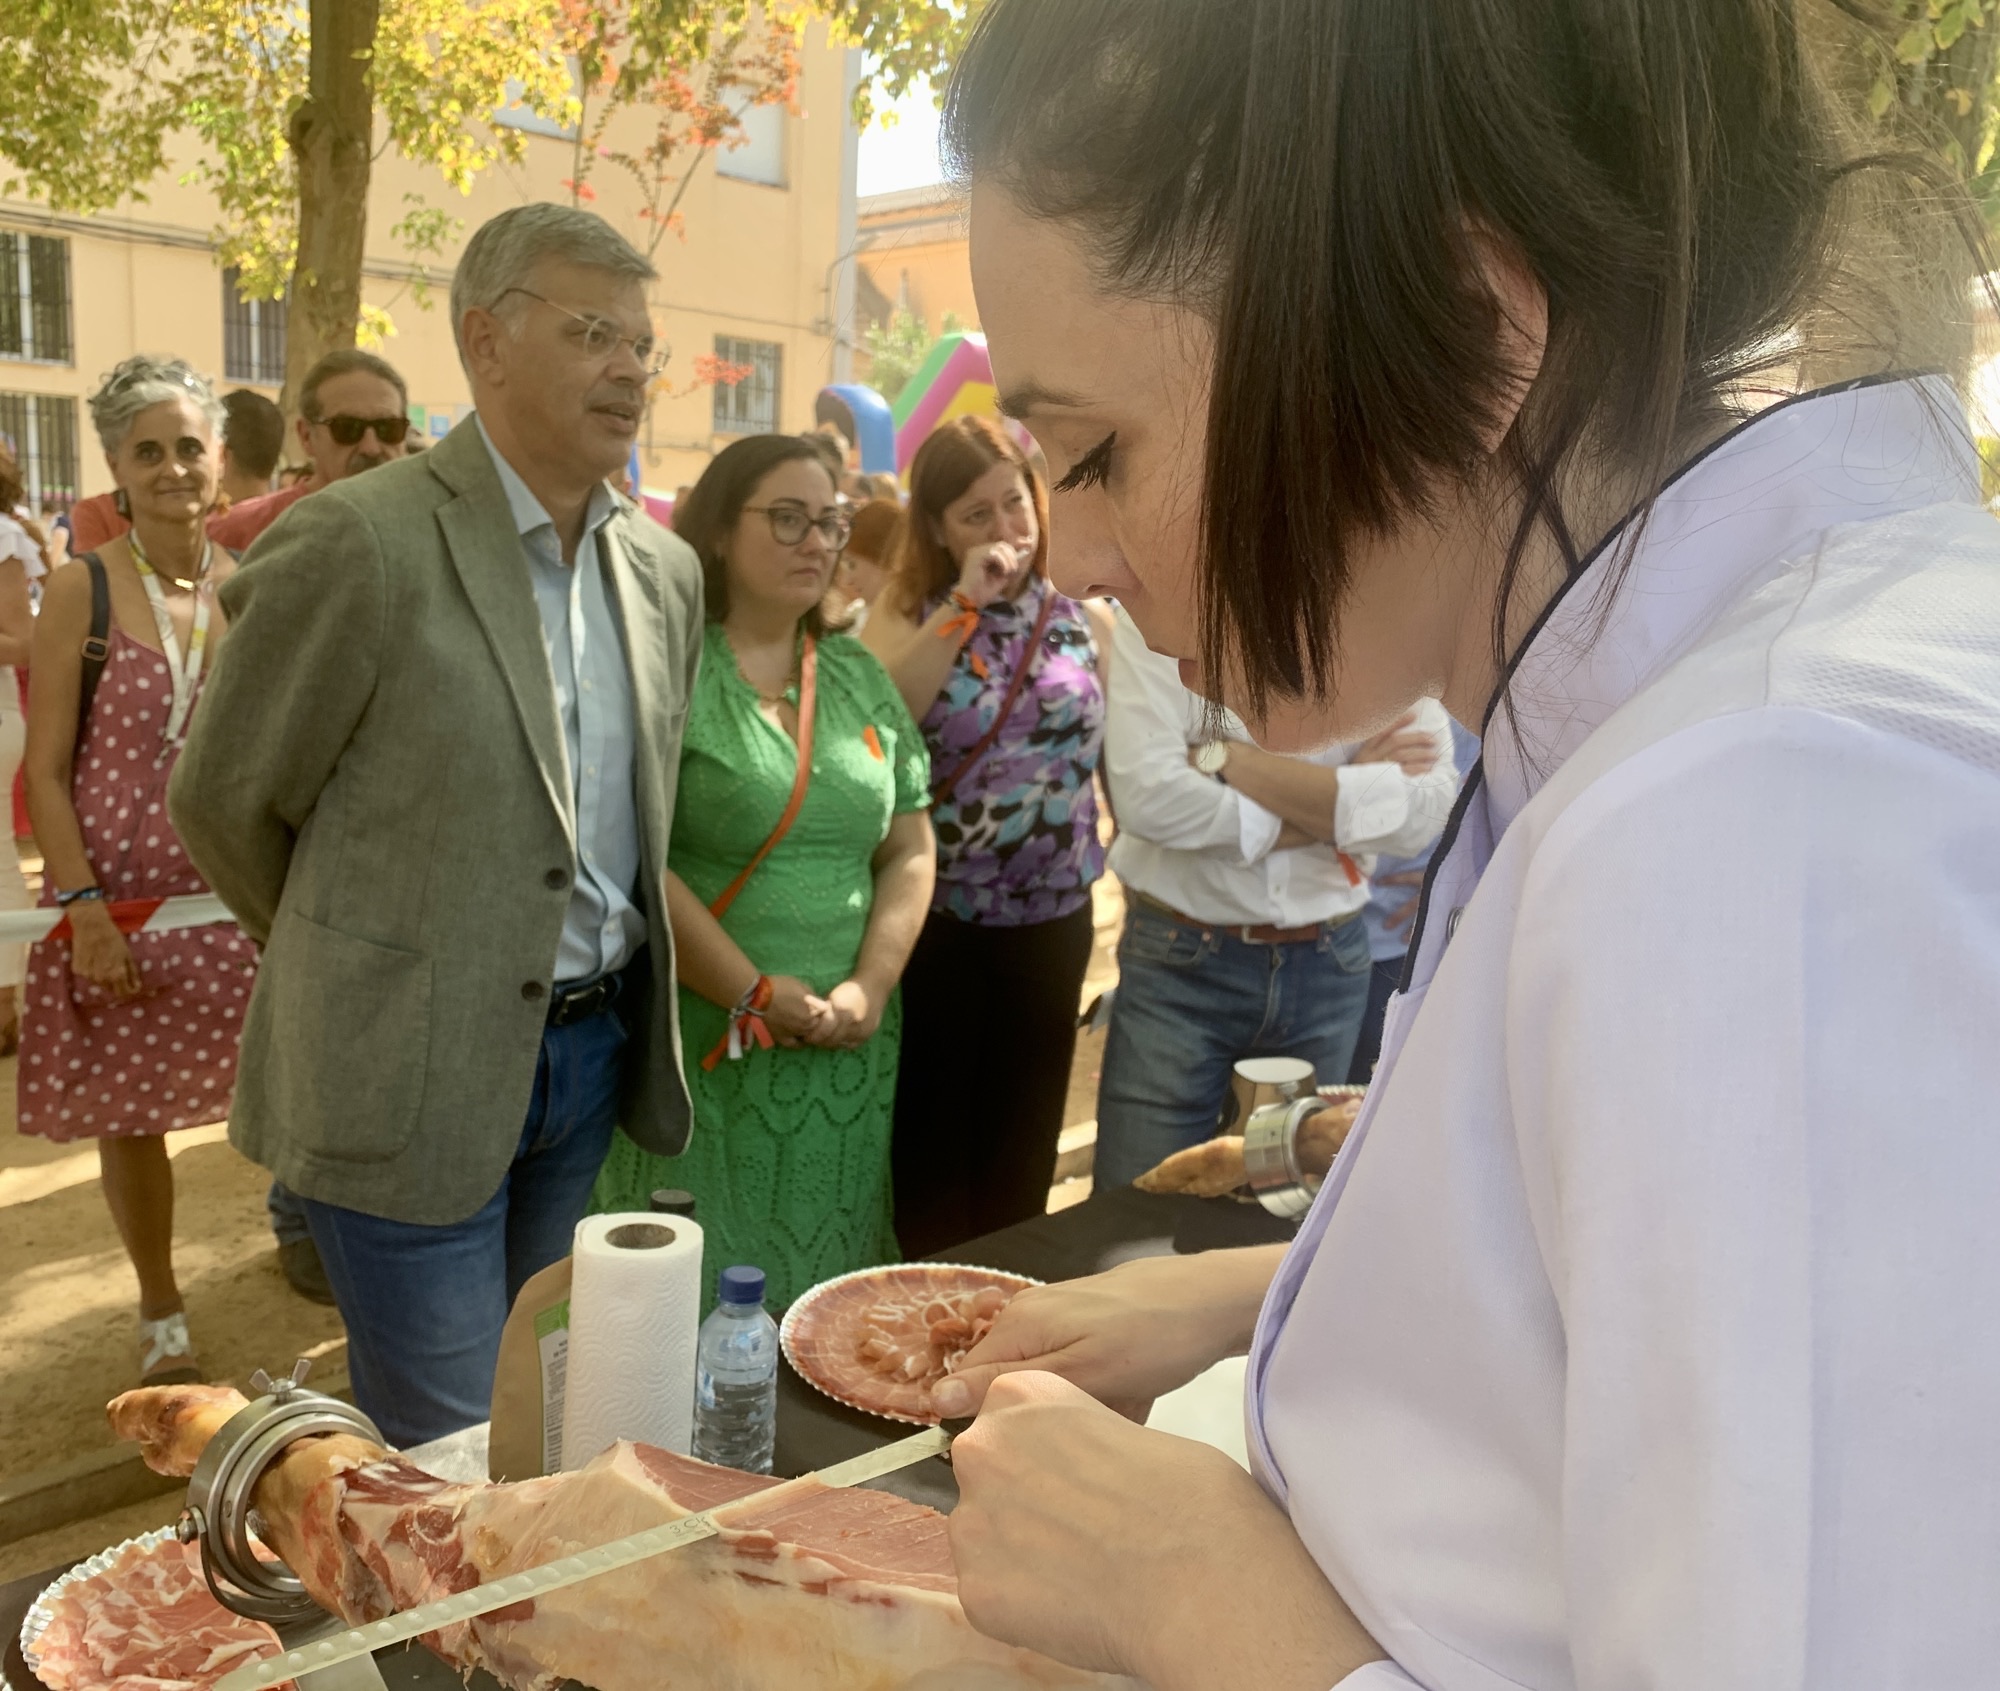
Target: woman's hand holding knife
1112, 1547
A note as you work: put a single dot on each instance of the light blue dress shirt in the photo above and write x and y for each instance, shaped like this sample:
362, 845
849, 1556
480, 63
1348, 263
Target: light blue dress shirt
580, 631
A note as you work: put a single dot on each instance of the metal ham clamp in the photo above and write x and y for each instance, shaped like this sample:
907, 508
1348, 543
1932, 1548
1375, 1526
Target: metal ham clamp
218, 1516
1273, 1169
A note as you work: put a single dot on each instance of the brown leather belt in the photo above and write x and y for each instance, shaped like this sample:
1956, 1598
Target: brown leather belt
1260, 933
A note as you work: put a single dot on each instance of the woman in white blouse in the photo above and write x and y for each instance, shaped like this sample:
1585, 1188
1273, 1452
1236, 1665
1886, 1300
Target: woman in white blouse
23, 549
1526, 353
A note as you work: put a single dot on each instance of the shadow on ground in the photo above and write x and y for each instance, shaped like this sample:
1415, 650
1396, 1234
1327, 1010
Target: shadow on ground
69, 1303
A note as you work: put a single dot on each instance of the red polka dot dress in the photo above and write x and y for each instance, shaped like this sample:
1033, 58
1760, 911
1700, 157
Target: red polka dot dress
93, 1066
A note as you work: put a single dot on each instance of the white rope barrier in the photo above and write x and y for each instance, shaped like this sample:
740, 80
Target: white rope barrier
132, 916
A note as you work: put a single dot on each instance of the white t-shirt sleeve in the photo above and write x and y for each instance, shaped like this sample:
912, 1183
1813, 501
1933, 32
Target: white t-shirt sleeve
17, 542
1754, 1055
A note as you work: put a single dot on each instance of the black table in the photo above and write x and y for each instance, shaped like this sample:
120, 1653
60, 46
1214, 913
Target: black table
814, 1431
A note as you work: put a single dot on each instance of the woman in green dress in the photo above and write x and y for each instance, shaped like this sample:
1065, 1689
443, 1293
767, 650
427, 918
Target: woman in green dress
791, 1022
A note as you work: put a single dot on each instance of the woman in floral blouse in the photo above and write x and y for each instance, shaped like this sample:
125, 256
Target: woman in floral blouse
1001, 672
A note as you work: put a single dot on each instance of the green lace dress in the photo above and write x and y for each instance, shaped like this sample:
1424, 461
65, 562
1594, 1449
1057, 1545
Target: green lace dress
789, 1162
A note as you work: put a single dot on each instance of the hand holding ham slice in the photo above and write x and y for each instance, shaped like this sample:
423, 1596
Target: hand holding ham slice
832, 1591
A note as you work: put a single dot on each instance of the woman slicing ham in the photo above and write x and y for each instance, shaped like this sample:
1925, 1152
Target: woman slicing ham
1530, 353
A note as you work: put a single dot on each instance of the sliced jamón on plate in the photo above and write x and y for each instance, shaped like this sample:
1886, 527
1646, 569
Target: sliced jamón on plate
878, 1339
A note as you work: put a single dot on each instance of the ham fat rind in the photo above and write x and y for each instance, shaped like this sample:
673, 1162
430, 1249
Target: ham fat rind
828, 1591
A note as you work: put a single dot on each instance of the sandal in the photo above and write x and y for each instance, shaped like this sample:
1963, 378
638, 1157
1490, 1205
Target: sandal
167, 1354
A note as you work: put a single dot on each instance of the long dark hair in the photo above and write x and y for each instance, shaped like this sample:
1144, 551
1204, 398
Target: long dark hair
954, 456
1310, 176
714, 506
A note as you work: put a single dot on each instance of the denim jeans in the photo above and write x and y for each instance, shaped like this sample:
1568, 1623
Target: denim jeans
287, 1211
1383, 980
1193, 1001
424, 1305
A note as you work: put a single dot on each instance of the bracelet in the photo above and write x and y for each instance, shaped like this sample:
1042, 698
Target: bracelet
82, 894
746, 1024
965, 624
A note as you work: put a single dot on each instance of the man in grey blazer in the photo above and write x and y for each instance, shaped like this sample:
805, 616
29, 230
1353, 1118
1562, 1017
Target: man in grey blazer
433, 775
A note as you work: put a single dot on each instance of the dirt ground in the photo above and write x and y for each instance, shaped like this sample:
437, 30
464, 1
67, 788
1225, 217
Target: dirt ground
67, 1297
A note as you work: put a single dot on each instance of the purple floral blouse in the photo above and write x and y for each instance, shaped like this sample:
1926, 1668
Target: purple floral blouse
1017, 837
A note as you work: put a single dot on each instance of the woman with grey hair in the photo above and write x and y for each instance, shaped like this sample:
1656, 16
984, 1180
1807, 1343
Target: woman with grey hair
128, 1037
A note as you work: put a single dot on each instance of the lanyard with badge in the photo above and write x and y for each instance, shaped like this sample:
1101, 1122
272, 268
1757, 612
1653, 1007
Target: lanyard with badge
183, 673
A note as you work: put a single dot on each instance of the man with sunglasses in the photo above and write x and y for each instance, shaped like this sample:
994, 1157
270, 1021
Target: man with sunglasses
434, 775
354, 414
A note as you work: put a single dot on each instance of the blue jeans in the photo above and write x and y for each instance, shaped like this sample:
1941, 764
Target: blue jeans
1383, 980
424, 1305
287, 1211
1192, 1002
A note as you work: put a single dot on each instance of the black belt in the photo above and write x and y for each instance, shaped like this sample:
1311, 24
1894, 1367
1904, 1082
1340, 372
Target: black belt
579, 1003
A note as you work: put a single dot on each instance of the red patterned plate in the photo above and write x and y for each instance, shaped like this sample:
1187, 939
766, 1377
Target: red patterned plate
827, 1332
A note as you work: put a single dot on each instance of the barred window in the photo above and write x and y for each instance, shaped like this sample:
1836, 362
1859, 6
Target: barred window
34, 298
751, 405
41, 427
253, 335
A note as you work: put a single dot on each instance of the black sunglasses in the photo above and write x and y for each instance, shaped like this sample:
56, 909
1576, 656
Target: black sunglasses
390, 431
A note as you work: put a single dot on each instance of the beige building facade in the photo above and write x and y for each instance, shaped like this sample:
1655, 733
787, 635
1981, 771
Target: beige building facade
911, 250
763, 276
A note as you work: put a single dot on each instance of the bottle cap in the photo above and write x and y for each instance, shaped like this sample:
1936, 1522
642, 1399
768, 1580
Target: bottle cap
671, 1200
743, 1285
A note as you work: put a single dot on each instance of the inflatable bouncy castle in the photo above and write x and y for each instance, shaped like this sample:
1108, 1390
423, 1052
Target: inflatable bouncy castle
863, 416
956, 380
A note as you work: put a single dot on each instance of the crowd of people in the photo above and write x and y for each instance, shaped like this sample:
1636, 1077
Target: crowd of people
1591, 375
571, 859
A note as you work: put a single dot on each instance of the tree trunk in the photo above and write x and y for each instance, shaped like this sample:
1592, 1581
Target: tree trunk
332, 137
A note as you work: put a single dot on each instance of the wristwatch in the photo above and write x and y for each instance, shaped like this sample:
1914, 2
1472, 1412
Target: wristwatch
1212, 758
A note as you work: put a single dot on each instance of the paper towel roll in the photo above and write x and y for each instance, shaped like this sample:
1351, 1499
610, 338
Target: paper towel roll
634, 1318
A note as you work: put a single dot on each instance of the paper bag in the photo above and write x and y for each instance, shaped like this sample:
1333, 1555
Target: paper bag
526, 1437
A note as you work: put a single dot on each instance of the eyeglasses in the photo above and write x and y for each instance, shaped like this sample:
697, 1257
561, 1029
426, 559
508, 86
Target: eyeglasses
600, 337
790, 522
390, 431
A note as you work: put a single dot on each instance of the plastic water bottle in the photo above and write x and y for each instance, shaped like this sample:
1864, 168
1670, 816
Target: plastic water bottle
736, 1377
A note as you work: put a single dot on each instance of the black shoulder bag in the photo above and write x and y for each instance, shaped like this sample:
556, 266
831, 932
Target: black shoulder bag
97, 648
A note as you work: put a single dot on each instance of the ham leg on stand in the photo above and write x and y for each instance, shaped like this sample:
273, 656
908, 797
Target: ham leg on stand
833, 1591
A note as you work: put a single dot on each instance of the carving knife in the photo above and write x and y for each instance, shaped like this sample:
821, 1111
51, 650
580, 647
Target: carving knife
573, 1570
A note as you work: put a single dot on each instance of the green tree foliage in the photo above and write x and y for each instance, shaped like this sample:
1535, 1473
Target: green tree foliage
290, 101
897, 349
1934, 65
695, 77
84, 108
909, 42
